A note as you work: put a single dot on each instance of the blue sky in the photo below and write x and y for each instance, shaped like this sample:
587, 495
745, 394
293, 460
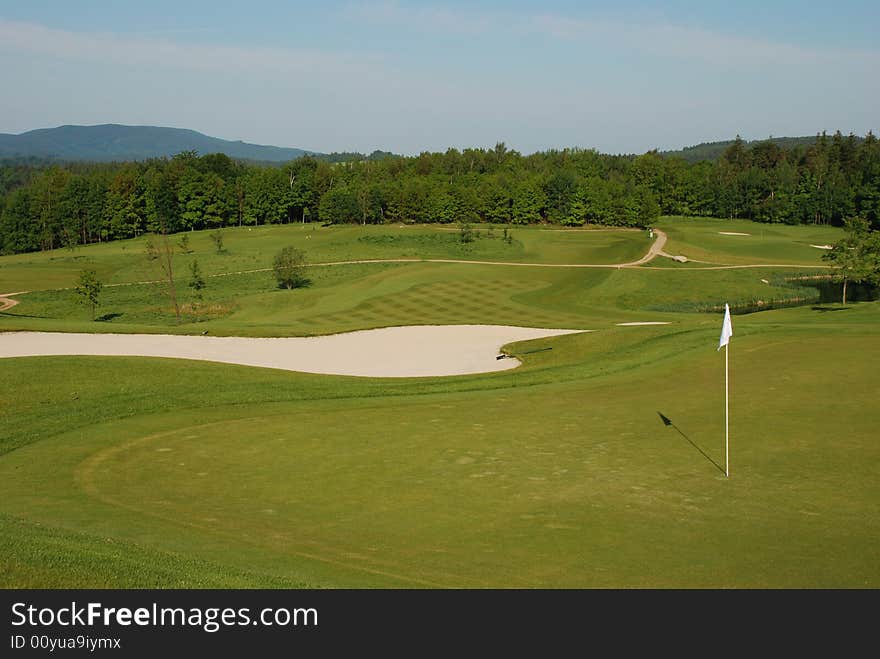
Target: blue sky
621, 77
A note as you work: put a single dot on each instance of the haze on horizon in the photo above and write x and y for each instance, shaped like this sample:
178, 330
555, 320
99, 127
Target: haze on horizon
621, 77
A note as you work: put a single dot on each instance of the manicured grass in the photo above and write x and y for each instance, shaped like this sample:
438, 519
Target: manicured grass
360, 296
351, 297
125, 472
250, 248
568, 478
701, 239
339, 297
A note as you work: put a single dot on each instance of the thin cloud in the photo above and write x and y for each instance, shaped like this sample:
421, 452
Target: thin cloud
19, 38
687, 42
669, 82
422, 19
653, 38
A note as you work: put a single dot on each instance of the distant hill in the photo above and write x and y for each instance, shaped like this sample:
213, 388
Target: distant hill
713, 150
110, 142
353, 156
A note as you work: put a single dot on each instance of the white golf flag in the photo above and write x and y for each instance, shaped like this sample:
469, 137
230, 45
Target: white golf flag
726, 329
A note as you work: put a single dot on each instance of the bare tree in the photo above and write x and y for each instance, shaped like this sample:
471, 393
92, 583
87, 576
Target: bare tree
162, 252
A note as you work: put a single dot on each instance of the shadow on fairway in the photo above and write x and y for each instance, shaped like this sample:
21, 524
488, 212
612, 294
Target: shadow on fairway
303, 282
825, 309
107, 317
12, 314
668, 422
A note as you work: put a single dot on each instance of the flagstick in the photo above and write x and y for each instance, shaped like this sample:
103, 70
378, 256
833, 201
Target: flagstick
726, 418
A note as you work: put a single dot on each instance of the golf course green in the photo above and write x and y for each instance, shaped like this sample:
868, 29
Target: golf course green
136, 472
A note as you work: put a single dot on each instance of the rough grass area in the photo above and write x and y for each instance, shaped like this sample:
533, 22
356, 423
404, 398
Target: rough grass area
36, 556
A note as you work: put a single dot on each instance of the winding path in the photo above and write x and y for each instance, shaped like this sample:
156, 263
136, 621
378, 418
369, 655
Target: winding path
656, 249
747, 265
6, 301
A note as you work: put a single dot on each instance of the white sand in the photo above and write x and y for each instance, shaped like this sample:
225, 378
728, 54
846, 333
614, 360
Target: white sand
644, 322
733, 233
414, 351
821, 246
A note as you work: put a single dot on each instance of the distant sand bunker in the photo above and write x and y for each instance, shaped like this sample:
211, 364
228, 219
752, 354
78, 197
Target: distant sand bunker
733, 233
414, 351
644, 322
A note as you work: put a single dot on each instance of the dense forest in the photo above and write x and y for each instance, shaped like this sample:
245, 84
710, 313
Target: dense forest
714, 150
45, 206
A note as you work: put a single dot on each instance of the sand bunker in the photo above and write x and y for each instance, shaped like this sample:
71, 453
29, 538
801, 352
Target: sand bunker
821, 246
643, 322
733, 233
415, 351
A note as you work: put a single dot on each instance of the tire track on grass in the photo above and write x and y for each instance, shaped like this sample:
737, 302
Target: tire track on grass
85, 476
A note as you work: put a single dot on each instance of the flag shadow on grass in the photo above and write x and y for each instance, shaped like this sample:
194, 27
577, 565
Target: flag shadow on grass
668, 422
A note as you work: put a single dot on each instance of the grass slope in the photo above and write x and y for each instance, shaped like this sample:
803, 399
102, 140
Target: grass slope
245, 301
340, 297
557, 474
702, 239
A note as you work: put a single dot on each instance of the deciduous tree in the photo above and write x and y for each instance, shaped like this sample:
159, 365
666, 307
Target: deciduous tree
88, 289
289, 268
856, 258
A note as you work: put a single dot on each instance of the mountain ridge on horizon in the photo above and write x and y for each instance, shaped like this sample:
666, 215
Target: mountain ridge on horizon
121, 142
714, 150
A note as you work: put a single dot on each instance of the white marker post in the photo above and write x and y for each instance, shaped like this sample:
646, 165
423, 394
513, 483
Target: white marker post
726, 333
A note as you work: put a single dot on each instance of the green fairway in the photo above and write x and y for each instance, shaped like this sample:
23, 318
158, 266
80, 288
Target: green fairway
717, 242
241, 297
249, 248
240, 301
136, 472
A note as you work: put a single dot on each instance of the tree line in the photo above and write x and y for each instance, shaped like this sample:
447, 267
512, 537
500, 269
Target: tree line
46, 206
